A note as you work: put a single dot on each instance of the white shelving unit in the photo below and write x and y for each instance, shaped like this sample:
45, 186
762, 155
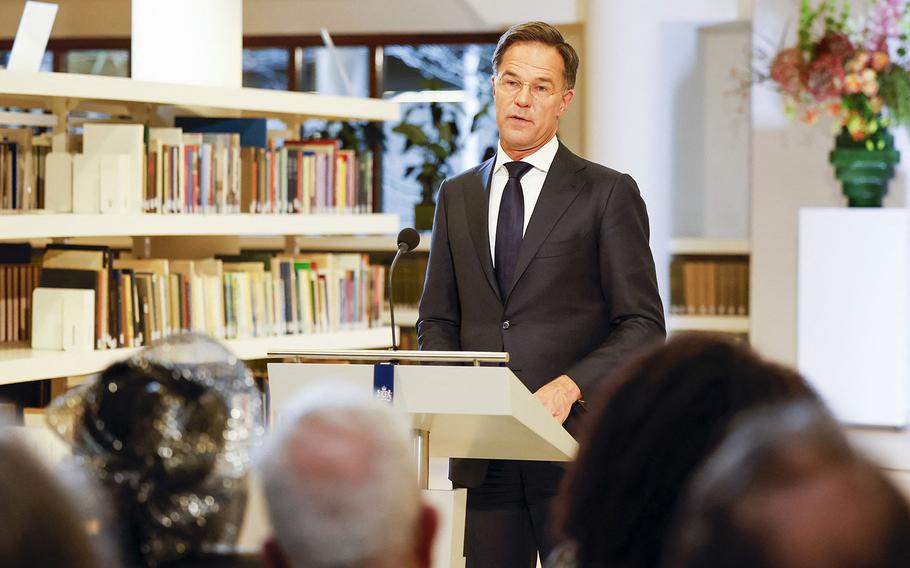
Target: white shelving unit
60, 94
366, 243
36, 226
720, 324
57, 90
404, 317
20, 364
700, 246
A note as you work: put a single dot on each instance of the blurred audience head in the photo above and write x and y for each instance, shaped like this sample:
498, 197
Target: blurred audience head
169, 433
341, 486
39, 524
656, 420
785, 490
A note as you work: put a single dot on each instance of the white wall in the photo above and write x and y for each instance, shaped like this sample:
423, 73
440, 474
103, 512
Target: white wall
111, 18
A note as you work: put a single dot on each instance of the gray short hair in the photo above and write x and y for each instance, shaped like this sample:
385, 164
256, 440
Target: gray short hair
329, 514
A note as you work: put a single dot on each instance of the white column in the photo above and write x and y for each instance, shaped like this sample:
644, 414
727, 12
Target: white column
198, 42
621, 70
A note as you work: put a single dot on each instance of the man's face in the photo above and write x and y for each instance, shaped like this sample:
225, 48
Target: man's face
530, 96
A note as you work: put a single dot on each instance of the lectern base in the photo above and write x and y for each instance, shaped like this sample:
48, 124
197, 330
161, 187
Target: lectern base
448, 550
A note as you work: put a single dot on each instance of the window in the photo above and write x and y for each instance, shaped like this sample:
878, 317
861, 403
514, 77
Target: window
339, 71
110, 62
47, 62
457, 75
266, 68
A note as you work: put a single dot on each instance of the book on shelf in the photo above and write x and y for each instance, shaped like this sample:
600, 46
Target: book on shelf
709, 286
81, 267
17, 281
253, 132
132, 302
22, 169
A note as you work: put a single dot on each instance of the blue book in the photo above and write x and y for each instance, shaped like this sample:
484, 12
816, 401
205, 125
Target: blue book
253, 131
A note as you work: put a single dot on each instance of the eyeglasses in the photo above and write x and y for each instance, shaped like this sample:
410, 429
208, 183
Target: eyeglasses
512, 86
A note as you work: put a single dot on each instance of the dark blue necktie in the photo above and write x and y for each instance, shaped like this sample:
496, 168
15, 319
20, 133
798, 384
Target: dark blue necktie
510, 225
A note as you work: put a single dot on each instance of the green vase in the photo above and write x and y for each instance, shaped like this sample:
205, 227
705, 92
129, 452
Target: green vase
864, 174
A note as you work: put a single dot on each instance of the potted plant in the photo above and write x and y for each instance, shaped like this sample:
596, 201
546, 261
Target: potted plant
435, 143
856, 70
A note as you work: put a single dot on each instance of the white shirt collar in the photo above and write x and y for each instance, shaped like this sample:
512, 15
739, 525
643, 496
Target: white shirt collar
541, 159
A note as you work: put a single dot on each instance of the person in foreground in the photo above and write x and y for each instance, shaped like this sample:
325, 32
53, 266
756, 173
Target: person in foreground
786, 490
341, 486
545, 255
39, 524
168, 433
656, 423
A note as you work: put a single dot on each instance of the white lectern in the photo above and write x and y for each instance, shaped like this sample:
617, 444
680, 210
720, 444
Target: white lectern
455, 411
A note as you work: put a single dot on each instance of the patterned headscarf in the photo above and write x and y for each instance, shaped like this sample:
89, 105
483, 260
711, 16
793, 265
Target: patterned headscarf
169, 432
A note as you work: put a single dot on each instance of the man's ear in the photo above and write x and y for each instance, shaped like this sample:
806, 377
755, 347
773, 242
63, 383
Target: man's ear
427, 525
566, 99
273, 556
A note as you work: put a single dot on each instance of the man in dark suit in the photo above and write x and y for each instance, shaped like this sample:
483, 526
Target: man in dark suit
545, 255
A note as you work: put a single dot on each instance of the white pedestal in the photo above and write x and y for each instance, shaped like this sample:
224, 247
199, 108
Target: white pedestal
853, 339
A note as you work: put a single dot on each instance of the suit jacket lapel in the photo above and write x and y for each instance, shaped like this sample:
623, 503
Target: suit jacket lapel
559, 190
477, 210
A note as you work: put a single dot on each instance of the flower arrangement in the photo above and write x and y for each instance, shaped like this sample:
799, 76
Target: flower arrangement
853, 68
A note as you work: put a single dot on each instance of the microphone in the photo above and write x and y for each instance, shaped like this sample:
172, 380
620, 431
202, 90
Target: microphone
408, 239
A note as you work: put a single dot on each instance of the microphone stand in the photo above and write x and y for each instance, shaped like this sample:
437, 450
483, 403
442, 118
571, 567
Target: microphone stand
402, 247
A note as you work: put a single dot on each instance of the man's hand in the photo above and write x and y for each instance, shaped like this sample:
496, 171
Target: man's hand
558, 396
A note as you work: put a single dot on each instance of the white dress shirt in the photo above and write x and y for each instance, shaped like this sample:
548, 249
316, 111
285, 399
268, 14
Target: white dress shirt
531, 184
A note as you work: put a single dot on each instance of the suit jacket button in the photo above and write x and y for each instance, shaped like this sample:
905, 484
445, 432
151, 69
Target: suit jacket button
506, 324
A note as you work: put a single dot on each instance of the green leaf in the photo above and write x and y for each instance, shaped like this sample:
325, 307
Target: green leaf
412, 132
445, 131
439, 151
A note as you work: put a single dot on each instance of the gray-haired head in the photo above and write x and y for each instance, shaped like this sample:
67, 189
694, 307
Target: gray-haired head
340, 482
786, 490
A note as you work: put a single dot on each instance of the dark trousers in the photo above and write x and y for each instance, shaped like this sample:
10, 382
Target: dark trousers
508, 516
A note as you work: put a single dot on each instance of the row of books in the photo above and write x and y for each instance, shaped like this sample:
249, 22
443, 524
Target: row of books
140, 300
191, 172
22, 159
211, 173
17, 281
409, 277
700, 286
307, 177
130, 168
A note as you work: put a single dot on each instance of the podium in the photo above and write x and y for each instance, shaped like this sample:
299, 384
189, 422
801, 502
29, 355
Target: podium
456, 411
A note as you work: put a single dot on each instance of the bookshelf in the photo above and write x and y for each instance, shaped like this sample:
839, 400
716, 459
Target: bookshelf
21, 364
719, 275
127, 100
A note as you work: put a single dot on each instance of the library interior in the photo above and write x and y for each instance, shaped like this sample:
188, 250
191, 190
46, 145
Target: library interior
228, 227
